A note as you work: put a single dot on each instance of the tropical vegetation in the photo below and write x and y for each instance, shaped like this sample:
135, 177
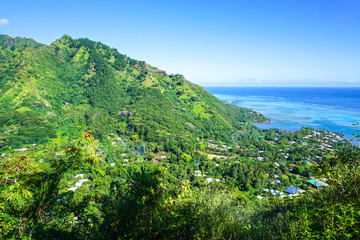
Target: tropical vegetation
96, 145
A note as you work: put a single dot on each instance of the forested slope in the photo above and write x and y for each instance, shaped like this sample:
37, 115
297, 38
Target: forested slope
82, 85
96, 145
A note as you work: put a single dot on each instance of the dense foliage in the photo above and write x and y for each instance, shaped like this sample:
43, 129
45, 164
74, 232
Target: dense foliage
96, 145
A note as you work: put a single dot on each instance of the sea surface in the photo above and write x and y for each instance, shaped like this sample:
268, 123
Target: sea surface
333, 109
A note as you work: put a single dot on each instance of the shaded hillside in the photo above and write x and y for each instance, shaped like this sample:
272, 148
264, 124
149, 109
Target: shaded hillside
82, 85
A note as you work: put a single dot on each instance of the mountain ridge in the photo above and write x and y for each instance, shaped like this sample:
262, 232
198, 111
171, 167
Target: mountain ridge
89, 85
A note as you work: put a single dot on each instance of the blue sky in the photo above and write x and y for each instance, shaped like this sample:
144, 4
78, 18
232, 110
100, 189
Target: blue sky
212, 43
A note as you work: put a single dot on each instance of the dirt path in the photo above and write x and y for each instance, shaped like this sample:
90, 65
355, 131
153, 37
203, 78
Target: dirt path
210, 155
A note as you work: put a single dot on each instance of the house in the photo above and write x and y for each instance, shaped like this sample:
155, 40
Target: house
260, 158
316, 184
112, 164
59, 154
21, 150
209, 180
259, 197
292, 190
84, 180
273, 192
197, 173
79, 176
72, 189
217, 180
277, 192
78, 184
293, 165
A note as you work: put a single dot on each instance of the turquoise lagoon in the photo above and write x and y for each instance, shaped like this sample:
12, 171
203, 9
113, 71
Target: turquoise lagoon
333, 109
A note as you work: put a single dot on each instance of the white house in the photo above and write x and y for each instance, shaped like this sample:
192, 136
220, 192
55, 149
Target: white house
21, 150
259, 197
83, 180
79, 176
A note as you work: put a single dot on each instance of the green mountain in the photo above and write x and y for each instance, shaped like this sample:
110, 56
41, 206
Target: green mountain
75, 85
158, 157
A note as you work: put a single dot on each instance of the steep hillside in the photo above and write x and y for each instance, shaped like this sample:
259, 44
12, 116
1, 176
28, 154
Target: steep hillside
160, 157
82, 85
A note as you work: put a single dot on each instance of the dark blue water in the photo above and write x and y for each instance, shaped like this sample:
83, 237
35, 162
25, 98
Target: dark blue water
333, 109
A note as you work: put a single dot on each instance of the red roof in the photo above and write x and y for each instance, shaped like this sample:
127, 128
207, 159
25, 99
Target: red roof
293, 165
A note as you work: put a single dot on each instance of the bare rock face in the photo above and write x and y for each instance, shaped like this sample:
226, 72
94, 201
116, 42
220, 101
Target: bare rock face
125, 113
158, 72
10, 42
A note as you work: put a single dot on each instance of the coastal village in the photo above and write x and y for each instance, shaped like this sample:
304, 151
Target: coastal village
97, 145
315, 143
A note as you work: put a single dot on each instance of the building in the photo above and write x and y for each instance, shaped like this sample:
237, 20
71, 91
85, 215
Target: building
316, 184
292, 190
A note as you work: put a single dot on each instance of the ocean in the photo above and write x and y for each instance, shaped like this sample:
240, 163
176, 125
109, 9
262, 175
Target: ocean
333, 109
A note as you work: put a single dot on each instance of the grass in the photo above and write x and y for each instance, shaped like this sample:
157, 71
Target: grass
200, 110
